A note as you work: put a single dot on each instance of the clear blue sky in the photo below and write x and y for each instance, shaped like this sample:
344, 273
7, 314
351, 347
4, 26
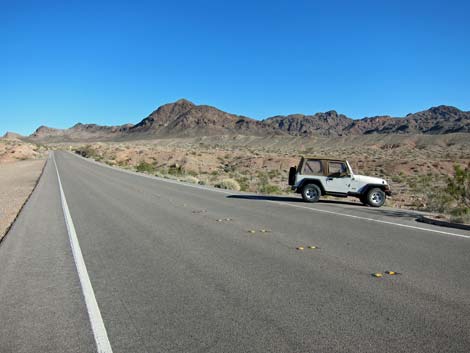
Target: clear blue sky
63, 62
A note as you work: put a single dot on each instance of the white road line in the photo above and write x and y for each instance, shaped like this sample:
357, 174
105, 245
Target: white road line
97, 325
277, 202
374, 220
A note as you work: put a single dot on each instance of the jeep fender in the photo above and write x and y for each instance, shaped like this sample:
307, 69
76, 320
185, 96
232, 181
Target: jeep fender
363, 191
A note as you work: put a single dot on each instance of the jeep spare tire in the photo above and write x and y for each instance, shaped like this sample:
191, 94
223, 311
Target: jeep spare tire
292, 172
375, 197
311, 193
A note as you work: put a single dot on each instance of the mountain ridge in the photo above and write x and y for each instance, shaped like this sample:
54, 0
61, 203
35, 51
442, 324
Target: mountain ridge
186, 119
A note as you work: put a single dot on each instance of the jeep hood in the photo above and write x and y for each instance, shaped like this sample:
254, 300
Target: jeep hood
370, 180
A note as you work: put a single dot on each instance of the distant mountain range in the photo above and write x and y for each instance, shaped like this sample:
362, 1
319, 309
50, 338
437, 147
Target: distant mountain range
185, 119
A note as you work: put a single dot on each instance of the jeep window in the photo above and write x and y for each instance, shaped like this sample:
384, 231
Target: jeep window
337, 169
313, 167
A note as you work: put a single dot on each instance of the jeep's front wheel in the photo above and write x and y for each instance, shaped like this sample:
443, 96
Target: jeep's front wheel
311, 193
375, 197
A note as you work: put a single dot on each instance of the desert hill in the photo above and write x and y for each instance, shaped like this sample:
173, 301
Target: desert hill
186, 119
11, 136
183, 118
79, 132
437, 120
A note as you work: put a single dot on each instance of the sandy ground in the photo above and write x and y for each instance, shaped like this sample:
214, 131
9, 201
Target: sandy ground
17, 180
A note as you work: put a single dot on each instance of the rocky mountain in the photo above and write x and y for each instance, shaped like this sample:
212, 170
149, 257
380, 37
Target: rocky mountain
186, 119
437, 120
328, 124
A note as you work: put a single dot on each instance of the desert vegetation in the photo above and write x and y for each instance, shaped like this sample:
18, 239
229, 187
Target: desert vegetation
429, 173
458, 194
12, 150
226, 168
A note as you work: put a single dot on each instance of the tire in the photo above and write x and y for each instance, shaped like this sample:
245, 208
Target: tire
292, 172
375, 197
311, 193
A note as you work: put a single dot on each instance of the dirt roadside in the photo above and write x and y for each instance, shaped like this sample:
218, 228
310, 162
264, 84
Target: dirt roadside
17, 181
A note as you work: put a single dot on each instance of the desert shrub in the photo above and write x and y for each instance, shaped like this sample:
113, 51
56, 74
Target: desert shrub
270, 189
263, 177
229, 168
458, 186
436, 200
88, 151
244, 183
461, 215
273, 173
123, 163
214, 176
450, 196
229, 184
430, 194
458, 189
169, 176
287, 190
265, 187
145, 167
190, 179
175, 170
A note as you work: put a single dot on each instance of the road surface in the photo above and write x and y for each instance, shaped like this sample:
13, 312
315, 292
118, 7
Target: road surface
173, 268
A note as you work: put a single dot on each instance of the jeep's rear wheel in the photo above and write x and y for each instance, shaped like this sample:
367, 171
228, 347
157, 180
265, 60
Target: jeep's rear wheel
375, 197
311, 193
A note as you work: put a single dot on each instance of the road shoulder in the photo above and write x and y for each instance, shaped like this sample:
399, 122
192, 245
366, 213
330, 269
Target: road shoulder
17, 182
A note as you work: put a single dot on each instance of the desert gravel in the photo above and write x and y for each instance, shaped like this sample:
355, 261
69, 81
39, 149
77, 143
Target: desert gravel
17, 181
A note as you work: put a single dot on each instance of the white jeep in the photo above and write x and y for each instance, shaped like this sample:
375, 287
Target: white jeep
315, 177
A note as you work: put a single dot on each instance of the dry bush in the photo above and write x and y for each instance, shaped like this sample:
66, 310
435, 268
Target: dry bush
230, 184
190, 179
144, 167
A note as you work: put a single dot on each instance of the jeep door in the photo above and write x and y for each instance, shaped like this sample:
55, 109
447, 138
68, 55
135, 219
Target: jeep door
339, 178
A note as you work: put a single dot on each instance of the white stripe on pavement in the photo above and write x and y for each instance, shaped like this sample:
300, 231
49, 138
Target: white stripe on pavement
97, 325
375, 220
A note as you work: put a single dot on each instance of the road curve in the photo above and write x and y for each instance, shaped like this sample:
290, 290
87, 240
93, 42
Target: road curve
174, 268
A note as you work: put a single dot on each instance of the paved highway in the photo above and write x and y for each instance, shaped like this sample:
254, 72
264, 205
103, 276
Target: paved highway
130, 263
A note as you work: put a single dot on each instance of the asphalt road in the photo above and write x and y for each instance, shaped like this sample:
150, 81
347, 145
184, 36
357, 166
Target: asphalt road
170, 273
